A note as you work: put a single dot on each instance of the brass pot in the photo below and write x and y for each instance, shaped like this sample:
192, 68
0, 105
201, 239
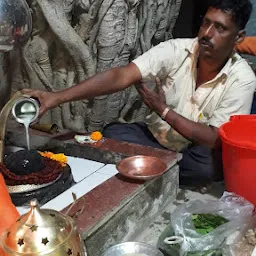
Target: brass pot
42, 232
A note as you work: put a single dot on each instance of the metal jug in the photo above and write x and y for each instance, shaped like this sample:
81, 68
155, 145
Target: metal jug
24, 109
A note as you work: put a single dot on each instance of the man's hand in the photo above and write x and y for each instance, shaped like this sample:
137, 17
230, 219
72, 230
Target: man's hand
47, 100
154, 99
195, 132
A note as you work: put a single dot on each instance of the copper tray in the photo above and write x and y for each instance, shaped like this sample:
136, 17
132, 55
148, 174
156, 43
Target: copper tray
141, 167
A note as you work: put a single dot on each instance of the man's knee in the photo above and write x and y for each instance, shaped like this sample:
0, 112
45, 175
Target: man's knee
196, 166
111, 130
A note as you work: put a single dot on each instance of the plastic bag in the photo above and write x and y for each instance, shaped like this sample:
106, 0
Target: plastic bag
233, 208
240, 243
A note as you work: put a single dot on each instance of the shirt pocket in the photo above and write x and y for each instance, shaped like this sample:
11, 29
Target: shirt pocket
172, 93
212, 105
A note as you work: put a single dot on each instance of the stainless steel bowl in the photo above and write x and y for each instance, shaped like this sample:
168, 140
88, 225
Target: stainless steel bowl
130, 248
141, 167
25, 109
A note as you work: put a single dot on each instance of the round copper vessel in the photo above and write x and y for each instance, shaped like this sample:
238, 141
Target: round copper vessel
141, 167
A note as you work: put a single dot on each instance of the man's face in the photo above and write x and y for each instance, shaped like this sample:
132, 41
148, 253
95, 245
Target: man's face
218, 35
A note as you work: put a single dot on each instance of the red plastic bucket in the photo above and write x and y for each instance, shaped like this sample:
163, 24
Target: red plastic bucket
239, 155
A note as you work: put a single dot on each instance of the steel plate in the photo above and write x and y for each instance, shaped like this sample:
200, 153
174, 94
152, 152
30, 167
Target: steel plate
133, 248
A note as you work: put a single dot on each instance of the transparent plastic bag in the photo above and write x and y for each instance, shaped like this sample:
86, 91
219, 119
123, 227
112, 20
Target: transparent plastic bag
242, 242
233, 208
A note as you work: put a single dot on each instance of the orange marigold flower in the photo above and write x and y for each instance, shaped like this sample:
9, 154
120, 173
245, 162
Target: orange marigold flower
46, 154
96, 136
61, 158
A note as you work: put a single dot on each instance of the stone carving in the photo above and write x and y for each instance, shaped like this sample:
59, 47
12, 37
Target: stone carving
74, 39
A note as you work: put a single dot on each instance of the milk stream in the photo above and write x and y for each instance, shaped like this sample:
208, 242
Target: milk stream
27, 118
25, 114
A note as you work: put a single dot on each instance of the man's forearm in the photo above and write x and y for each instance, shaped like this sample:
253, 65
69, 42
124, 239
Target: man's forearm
107, 82
195, 132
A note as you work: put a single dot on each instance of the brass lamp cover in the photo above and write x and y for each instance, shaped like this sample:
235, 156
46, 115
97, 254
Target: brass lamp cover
42, 232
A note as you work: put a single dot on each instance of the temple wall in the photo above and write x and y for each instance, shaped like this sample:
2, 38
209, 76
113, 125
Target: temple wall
75, 39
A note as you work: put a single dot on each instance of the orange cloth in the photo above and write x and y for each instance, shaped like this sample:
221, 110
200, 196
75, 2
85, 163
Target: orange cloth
8, 211
248, 46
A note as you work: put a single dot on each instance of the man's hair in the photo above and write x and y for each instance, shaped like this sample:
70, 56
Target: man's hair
240, 9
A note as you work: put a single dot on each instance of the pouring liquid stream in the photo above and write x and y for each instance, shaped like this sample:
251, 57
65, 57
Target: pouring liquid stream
27, 118
25, 112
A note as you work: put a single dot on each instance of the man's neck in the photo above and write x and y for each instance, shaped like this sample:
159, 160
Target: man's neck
207, 70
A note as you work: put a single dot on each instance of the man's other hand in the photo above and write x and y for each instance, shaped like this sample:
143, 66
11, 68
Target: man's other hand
154, 99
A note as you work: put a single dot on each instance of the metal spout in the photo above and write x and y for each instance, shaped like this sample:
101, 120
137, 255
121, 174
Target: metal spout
3, 119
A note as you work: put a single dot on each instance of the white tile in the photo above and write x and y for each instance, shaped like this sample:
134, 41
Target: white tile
89, 184
82, 168
80, 189
109, 169
60, 202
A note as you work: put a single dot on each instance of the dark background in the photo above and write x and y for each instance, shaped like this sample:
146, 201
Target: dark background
191, 14
190, 17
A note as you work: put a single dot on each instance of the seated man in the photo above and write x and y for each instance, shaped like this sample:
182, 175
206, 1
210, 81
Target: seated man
203, 82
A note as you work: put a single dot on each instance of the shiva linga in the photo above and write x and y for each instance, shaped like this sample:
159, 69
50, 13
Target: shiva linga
40, 231
28, 173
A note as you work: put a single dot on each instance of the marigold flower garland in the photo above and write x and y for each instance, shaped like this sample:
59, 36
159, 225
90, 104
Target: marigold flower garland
61, 158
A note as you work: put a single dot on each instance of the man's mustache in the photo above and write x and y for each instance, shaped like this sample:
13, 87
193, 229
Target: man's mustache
206, 41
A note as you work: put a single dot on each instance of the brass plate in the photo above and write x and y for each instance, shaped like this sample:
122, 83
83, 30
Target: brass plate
29, 187
141, 167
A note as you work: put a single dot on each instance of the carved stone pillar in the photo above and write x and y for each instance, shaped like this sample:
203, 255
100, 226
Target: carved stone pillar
74, 39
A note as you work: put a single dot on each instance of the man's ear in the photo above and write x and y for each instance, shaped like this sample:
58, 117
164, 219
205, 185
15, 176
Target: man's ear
240, 36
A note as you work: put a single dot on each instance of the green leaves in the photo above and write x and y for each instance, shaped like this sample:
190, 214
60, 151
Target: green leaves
205, 223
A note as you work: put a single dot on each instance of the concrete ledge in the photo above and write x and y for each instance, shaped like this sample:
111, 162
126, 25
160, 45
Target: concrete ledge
134, 214
119, 209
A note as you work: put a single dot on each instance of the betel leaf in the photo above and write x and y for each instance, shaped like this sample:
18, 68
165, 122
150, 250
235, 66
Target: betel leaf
207, 222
